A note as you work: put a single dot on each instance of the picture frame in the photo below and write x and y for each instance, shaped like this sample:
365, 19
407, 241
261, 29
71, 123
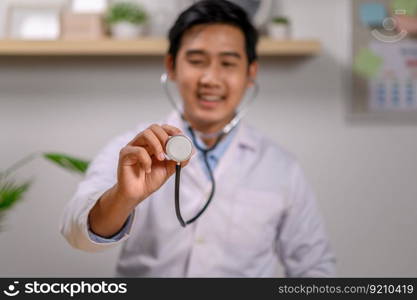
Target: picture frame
82, 26
382, 77
28, 20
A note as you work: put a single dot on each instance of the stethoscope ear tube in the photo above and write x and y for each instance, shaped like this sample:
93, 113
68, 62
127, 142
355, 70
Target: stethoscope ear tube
233, 123
164, 83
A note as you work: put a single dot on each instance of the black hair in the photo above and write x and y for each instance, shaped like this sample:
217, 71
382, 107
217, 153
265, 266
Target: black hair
213, 12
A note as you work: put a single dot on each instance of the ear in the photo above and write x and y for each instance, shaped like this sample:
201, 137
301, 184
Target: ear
169, 66
252, 72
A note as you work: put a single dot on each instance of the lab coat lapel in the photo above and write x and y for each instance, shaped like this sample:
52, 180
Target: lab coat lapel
230, 157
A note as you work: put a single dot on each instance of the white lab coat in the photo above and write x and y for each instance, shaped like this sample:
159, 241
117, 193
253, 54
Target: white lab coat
263, 216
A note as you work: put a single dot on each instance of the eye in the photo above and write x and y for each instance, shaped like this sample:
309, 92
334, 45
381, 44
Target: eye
228, 64
196, 62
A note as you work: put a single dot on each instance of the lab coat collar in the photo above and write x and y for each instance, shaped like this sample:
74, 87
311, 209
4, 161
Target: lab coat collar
243, 139
245, 136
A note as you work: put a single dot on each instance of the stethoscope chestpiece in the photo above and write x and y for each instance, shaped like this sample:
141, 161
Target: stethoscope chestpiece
179, 148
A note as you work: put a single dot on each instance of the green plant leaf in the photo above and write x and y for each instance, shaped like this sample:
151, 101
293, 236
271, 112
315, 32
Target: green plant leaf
11, 192
126, 11
281, 20
68, 162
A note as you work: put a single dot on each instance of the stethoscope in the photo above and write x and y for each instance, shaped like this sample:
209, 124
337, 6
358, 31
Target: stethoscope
179, 148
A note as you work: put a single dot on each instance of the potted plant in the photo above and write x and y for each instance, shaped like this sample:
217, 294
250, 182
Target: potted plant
126, 20
279, 28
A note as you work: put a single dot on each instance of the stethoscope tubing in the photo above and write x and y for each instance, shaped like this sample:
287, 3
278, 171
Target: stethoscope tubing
227, 129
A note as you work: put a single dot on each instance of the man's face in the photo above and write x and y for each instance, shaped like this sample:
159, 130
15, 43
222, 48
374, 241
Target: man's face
212, 74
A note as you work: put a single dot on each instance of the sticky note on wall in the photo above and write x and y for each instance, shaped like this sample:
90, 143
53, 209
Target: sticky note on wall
404, 7
367, 63
373, 14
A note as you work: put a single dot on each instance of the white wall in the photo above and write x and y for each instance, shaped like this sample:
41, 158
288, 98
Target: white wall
2, 17
363, 174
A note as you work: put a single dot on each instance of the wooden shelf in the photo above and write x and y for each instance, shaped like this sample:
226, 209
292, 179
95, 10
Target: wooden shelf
269, 47
142, 47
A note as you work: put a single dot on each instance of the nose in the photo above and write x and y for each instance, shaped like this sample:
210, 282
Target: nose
211, 77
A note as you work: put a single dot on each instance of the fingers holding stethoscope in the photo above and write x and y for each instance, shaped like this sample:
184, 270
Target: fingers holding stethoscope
135, 155
154, 138
141, 170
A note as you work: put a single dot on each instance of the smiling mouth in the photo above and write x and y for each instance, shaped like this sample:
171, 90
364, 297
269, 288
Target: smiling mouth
211, 98
210, 101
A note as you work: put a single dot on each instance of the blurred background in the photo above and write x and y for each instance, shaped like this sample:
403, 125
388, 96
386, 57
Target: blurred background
73, 75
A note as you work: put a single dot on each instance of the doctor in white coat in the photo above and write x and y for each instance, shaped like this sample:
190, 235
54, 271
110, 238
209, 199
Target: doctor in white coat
263, 215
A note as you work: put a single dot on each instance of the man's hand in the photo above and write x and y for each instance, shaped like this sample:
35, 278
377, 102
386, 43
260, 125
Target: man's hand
142, 166
142, 169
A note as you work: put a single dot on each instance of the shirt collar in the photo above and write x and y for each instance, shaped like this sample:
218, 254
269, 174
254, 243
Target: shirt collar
244, 133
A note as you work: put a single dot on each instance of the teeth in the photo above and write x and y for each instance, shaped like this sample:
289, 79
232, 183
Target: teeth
211, 98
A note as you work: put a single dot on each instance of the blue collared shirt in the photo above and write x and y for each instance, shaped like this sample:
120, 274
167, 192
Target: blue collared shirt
215, 154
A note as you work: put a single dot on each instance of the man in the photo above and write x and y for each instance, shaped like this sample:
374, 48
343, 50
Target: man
262, 212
